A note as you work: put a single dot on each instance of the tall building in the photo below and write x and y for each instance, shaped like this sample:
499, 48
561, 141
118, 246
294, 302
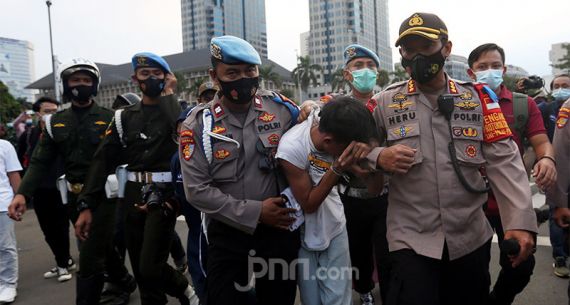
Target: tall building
304, 40
335, 24
557, 52
456, 66
204, 19
17, 67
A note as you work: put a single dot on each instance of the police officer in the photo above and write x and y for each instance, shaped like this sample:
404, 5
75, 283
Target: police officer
74, 134
206, 92
142, 134
437, 134
558, 195
227, 152
365, 212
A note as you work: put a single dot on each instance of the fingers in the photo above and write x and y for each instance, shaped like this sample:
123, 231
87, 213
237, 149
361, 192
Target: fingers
82, 229
526, 250
347, 157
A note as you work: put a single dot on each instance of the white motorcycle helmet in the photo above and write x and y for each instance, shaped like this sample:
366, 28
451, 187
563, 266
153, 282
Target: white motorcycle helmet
76, 65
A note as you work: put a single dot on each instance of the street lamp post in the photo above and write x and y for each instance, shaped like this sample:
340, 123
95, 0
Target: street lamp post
53, 60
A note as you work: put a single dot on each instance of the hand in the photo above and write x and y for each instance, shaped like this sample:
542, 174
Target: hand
142, 207
83, 225
561, 216
544, 172
274, 214
526, 242
397, 159
306, 109
17, 207
169, 84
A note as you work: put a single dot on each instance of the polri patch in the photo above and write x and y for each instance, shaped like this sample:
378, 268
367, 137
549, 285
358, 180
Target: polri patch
562, 119
221, 154
187, 144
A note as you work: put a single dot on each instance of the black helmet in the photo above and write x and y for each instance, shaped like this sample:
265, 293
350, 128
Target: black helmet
124, 100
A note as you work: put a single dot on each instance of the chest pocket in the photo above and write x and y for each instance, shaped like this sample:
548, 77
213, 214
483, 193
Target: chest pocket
468, 138
409, 135
97, 131
224, 162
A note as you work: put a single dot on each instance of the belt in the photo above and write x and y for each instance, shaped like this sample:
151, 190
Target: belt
148, 177
361, 193
75, 188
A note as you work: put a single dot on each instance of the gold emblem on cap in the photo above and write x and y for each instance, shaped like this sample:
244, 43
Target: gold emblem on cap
216, 51
350, 52
416, 20
141, 61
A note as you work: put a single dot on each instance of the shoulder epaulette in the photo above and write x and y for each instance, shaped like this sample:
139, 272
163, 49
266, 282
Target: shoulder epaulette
397, 84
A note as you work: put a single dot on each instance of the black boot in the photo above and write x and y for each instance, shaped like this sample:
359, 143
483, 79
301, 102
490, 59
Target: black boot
88, 289
118, 292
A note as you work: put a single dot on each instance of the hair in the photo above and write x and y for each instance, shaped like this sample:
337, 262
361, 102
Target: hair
558, 76
478, 51
44, 99
215, 62
347, 119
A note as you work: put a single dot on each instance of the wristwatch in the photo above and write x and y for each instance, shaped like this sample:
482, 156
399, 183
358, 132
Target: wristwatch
82, 205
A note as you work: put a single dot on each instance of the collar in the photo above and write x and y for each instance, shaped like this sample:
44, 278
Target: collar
505, 94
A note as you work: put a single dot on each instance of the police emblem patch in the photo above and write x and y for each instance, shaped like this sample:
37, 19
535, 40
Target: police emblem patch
471, 151
416, 20
216, 51
562, 119
221, 154
273, 139
350, 52
187, 144
266, 117
141, 61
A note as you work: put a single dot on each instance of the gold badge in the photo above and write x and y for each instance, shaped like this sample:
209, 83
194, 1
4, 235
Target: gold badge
221, 154
350, 52
100, 123
466, 105
59, 125
466, 96
141, 61
400, 102
219, 130
416, 20
216, 51
402, 131
266, 117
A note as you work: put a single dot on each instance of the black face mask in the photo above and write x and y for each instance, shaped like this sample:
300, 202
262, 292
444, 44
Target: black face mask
152, 86
425, 68
240, 91
80, 94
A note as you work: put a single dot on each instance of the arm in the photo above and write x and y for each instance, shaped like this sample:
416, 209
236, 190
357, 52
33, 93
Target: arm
42, 157
544, 170
558, 194
14, 178
309, 197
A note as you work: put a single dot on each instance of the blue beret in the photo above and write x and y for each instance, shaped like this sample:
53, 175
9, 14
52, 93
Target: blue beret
355, 51
233, 50
147, 59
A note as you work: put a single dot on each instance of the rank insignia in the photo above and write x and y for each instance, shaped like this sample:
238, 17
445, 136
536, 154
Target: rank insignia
411, 86
221, 154
219, 129
187, 144
273, 139
266, 117
469, 132
59, 125
471, 151
100, 123
257, 103
452, 87
466, 105
562, 119
218, 110
402, 131
371, 104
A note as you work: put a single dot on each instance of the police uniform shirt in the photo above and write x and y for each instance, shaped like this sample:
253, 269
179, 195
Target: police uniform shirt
558, 194
232, 187
428, 205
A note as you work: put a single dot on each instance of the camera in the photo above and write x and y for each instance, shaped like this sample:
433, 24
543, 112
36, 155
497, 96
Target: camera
533, 82
152, 195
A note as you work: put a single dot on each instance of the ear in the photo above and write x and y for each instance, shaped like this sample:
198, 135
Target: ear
347, 75
504, 69
472, 74
134, 79
213, 76
447, 49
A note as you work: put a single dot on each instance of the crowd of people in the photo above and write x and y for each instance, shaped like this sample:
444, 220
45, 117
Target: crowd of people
412, 182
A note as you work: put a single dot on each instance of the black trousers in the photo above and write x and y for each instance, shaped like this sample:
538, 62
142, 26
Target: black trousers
420, 280
511, 281
366, 228
232, 257
149, 238
54, 222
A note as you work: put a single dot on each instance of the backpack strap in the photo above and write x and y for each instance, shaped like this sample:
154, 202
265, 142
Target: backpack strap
520, 113
47, 120
119, 126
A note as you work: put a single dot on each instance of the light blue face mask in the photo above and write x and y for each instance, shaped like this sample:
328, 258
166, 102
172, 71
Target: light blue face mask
492, 77
561, 94
364, 80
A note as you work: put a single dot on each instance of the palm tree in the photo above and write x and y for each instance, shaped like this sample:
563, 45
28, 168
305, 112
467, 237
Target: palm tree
266, 74
338, 81
193, 90
181, 84
383, 78
305, 73
399, 75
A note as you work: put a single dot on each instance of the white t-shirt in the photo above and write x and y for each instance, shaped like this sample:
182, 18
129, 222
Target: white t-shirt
8, 163
328, 221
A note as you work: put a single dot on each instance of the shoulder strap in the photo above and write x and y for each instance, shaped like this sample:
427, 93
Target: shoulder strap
119, 126
520, 113
48, 125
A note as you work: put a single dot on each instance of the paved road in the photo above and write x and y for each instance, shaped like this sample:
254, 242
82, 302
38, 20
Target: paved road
35, 259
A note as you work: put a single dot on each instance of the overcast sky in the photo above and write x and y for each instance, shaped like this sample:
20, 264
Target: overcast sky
111, 31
